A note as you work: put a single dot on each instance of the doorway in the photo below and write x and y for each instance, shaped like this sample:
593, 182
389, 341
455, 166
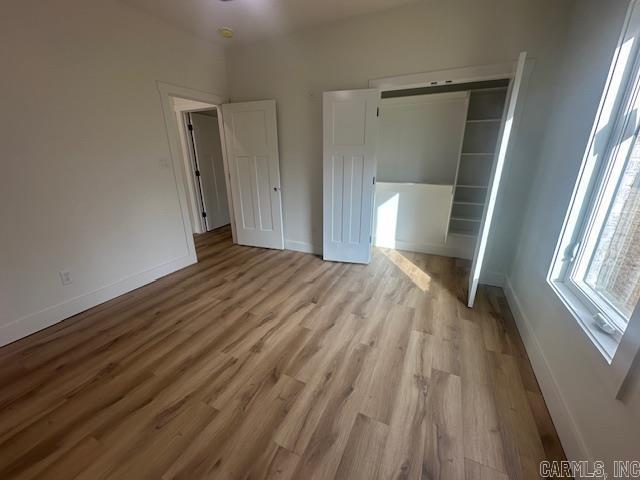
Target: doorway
245, 192
207, 165
200, 134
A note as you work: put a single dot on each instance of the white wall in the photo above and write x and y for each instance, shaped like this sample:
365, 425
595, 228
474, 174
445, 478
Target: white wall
430, 35
591, 423
419, 138
87, 184
415, 217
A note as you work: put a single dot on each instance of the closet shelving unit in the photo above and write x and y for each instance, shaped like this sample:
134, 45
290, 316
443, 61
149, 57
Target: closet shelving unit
484, 119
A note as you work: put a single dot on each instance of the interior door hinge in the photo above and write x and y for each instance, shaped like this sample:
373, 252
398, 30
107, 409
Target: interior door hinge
377, 111
374, 180
190, 127
204, 214
197, 173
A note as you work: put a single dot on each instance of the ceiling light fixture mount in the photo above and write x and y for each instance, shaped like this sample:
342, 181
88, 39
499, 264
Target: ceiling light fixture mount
226, 32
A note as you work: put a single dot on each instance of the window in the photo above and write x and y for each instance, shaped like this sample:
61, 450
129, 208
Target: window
604, 270
596, 269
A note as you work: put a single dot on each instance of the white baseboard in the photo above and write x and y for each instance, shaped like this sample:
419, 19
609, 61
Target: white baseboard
445, 250
34, 322
440, 249
572, 441
302, 247
495, 279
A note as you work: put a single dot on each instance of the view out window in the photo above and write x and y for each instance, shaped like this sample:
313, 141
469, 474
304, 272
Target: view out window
607, 270
596, 268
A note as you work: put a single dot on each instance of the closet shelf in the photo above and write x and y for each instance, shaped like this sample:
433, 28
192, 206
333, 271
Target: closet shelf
462, 234
477, 154
456, 202
466, 219
484, 120
470, 186
481, 91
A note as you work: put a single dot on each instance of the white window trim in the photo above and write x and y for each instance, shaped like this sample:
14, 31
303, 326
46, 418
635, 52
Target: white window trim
618, 349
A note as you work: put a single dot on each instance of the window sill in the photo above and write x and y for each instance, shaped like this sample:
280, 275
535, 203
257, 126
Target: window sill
607, 344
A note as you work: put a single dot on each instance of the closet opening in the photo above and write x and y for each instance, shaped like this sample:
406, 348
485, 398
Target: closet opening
435, 153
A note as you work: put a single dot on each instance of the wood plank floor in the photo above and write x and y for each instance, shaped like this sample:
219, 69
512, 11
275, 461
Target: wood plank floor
267, 364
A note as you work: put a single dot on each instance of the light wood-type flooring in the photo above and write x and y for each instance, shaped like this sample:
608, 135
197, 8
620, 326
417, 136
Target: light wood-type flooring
262, 364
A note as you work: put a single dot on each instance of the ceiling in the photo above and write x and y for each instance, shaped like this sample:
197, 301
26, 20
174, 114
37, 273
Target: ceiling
253, 20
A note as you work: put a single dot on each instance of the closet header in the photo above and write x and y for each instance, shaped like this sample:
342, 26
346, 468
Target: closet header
453, 87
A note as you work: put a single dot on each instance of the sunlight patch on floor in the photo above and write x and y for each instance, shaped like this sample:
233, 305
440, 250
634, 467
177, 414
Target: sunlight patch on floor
418, 276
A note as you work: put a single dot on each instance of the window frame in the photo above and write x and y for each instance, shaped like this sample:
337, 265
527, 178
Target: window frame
599, 202
593, 189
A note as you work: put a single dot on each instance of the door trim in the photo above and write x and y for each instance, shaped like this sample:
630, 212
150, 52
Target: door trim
195, 191
189, 100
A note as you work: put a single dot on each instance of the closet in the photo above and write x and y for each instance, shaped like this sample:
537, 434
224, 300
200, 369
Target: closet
427, 180
436, 148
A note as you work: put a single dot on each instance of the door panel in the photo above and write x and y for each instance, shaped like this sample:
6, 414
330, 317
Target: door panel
502, 149
208, 150
350, 128
245, 185
263, 183
252, 149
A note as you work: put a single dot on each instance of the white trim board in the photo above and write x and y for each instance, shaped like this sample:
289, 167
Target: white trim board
177, 100
467, 74
495, 279
167, 93
304, 247
422, 99
572, 441
197, 222
186, 105
442, 250
49, 316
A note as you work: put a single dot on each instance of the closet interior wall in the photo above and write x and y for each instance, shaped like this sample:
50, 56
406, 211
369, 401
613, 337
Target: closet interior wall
435, 156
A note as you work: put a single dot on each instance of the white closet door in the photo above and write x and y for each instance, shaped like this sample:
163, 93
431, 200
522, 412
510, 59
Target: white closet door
349, 165
208, 148
251, 139
502, 149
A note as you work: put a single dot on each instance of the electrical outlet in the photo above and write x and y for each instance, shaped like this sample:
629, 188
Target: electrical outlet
65, 277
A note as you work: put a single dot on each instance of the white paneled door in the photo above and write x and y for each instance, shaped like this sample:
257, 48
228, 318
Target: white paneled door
502, 150
349, 169
251, 140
